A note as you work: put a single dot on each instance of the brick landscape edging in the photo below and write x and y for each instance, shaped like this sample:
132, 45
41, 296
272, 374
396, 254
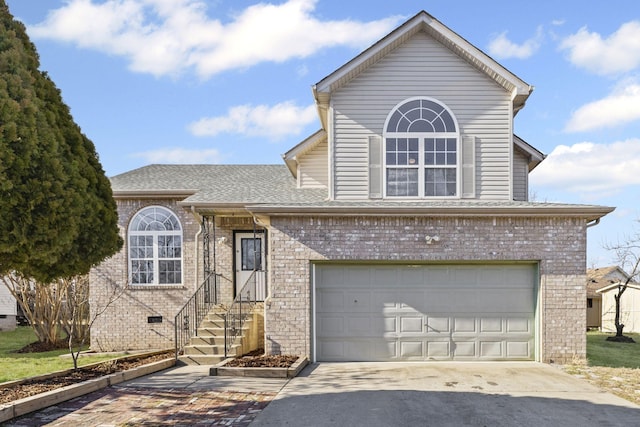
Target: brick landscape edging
53, 397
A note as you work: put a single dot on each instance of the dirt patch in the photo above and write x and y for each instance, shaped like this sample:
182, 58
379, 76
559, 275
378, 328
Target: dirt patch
37, 386
40, 347
257, 359
622, 338
622, 382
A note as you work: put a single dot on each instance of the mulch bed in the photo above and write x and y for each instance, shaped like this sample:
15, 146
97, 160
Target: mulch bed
37, 386
257, 359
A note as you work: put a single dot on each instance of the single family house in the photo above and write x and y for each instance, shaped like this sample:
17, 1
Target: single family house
629, 303
8, 309
598, 278
400, 230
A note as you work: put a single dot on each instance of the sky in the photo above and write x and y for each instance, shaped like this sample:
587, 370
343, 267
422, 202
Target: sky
195, 81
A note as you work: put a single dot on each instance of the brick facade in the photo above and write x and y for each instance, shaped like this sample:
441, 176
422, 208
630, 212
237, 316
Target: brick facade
124, 325
557, 244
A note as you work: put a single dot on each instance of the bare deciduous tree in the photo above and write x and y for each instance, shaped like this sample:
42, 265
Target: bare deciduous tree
78, 318
627, 254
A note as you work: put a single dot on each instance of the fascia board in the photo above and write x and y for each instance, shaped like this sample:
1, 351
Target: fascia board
588, 213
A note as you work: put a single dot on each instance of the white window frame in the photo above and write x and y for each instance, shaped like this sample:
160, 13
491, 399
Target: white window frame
155, 257
422, 137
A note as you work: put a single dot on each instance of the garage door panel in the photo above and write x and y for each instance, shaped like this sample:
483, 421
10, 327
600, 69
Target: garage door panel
411, 350
465, 324
412, 276
437, 324
383, 300
358, 301
429, 312
438, 350
360, 326
332, 325
330, 301
491, 349
519, 349
409, 325
519, 324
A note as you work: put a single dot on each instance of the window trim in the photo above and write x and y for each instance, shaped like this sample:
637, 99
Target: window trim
156, 258
422, 136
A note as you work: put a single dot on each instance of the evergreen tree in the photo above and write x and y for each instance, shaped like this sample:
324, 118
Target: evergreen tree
57, 214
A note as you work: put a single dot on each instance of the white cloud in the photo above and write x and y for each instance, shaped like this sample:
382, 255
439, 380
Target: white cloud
171, 36
590, 169
272, 122
618, 53
501, 47
180, 156
620, 107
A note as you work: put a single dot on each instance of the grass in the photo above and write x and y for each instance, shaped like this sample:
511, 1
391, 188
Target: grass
15, 366
611, 366
601, 352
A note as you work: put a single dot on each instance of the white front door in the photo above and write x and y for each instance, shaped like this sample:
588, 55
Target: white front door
250, 257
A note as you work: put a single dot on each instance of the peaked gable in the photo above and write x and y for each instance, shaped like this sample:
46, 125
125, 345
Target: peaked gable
422, 21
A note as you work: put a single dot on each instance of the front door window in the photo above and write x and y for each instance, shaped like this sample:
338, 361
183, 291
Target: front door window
251, 249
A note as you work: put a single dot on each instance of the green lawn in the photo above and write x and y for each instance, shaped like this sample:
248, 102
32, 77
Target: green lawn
14, 366
601, 352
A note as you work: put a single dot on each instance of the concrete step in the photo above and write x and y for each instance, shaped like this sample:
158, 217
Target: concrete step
201, 359
212, 323
203, 350
207, 340
206, 350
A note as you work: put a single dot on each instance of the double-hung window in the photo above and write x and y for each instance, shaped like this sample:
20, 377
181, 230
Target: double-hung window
155, 247
421, 150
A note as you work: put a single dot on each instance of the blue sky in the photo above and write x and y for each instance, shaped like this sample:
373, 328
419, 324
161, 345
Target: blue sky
193, 81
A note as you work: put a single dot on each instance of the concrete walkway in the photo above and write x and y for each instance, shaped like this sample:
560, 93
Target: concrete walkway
351, 394
443, 394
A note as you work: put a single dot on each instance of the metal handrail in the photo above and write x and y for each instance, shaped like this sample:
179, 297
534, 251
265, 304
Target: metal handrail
194, 311
236, 315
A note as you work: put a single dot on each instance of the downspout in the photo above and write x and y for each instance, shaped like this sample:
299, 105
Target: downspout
593, 223
195, 244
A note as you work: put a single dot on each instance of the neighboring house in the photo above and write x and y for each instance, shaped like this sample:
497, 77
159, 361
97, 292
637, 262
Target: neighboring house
401, 230
8, 309
598, 278
629, 306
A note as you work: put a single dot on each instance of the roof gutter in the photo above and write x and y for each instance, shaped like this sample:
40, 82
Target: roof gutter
593, 223
590, 213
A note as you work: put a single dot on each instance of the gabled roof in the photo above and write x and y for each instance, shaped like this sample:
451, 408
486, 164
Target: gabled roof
214, 186
518, 88
291, 157
601, 277
535, 156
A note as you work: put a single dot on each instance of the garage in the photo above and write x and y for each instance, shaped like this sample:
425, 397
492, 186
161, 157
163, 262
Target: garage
424, 312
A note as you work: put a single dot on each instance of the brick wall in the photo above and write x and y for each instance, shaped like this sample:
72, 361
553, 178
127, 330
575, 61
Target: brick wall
558, 244
124, 325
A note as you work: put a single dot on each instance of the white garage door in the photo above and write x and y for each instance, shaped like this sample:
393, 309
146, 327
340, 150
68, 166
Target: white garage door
424, 312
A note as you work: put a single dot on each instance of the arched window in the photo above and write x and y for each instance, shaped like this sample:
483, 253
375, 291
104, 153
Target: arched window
155, 247
421, 150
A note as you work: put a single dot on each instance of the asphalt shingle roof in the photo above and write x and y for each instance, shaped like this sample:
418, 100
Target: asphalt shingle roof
273, 188
214, 184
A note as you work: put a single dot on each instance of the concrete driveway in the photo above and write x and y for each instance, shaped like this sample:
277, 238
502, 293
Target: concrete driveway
443, 394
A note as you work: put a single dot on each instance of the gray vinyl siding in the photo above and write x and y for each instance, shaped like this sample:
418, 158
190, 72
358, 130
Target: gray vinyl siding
313, 167
422, 67
520, 176
7, 302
